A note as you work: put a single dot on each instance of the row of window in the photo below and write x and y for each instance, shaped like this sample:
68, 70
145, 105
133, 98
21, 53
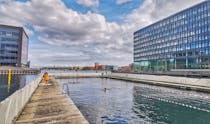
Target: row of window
172, 49
190, 14
171, 54
169, 42
9, 39
159, 52
173, 27
3, 58
9, 51
174, 34
9, 33
185, 44
2, 46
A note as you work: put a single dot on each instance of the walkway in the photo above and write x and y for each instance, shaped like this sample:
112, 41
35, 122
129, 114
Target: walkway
49, 106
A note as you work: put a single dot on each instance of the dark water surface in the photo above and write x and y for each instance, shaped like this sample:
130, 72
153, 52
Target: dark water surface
133, 103
17, 82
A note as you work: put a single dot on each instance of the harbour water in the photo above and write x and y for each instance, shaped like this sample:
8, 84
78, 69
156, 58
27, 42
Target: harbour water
17, 82
109, 101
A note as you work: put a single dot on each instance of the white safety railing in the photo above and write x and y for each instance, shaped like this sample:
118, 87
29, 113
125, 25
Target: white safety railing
13, 105
79, 74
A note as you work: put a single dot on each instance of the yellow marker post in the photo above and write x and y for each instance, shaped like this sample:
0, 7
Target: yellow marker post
9, 79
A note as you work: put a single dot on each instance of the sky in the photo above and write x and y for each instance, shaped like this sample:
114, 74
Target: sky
81, 32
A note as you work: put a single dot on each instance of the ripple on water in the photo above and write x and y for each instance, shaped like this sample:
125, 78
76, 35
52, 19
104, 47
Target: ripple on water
133, 103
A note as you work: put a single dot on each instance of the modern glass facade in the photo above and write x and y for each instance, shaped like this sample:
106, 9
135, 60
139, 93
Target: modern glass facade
181, 41
13, 46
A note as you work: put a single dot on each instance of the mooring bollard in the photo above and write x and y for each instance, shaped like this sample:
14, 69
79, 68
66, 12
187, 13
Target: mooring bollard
9, 80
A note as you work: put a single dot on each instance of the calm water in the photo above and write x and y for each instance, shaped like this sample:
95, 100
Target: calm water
17, 82
134, 103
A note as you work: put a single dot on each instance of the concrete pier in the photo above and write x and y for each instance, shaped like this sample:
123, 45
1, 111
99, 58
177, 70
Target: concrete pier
187, 83
49, 105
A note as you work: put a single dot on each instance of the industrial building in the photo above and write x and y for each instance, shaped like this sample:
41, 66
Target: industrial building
180, 41
13, 46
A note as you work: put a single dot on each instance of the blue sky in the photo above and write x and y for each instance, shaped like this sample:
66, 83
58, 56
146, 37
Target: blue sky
109, 8
81, 32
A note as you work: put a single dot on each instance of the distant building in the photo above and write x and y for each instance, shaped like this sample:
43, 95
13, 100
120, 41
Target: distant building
98, 66
131, 67
88, 68
109, 67
180, 41
125, 69
13, 46
115, 68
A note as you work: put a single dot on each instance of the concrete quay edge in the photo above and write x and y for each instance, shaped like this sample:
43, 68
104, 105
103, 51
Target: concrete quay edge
165, 84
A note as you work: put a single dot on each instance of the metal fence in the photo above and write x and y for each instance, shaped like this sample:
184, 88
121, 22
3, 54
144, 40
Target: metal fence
11, 107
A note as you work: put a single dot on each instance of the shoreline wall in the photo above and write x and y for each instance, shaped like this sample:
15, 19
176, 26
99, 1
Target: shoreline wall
198, 84
11, 107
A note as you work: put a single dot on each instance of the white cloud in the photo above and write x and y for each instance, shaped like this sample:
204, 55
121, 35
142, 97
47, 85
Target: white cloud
5, 1
89, 3
122, 1
28, 31
60, 26
88, 36
154, 10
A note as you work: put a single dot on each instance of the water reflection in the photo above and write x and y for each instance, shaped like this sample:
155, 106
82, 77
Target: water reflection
133, 103
17, 82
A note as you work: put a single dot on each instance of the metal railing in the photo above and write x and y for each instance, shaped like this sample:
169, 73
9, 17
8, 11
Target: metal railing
20, 71
11, 107
79, 74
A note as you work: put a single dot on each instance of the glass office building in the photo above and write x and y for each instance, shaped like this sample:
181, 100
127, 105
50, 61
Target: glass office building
180, 41
13, 46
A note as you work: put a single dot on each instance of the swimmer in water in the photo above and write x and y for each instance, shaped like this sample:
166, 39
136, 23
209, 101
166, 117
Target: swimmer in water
105, 89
